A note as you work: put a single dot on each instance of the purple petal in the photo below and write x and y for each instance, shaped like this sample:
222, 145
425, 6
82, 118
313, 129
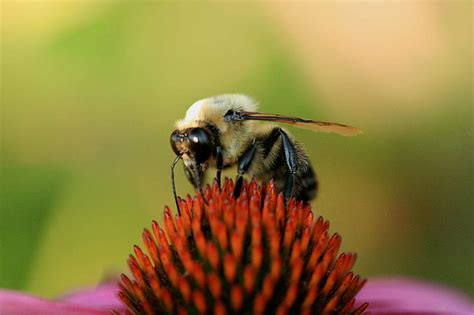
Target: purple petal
14, 303
409, 296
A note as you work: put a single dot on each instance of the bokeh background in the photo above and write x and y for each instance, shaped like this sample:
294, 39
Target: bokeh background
90, 91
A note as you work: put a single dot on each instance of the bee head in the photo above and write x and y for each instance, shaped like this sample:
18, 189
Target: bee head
194, 142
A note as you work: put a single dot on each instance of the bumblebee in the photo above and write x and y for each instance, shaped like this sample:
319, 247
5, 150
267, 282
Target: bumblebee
223, 131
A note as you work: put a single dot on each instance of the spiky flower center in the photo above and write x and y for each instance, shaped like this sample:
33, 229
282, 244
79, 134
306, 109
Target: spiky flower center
251, 255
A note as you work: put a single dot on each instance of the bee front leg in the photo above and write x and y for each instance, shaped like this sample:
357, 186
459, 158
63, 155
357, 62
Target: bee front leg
219, 164
243, 166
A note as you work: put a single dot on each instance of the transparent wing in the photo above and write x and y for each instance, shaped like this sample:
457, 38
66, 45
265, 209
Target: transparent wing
314, 125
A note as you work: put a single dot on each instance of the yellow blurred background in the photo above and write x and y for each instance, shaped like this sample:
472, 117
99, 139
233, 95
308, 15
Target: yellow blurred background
90, 91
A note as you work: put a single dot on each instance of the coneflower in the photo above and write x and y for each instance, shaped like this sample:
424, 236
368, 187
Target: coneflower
251, 255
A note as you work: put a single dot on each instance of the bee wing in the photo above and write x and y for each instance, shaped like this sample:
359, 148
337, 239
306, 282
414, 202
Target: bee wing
314, 125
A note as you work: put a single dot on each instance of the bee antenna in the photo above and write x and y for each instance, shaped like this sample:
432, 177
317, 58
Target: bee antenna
178, 157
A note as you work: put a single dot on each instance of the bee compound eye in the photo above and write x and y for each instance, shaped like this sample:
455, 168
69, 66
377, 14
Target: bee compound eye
199, 135
200, 143
175, 138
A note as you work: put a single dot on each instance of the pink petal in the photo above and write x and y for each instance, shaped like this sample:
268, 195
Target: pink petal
409, 296
103, 297
14, 303
92, 301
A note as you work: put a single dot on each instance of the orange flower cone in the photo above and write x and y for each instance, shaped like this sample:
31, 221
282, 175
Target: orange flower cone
251, 255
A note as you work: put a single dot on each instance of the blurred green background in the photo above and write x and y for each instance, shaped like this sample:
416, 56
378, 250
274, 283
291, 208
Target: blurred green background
90, 91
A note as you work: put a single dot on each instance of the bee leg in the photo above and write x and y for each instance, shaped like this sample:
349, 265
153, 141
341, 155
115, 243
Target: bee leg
243, 166
291, 163
173, 182
219, 164
290, 157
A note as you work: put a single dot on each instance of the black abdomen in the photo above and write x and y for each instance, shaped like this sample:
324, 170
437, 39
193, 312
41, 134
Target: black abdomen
309, 185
